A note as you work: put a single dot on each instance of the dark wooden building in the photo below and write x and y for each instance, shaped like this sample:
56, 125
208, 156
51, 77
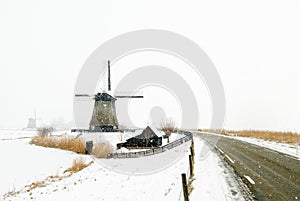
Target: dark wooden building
149, 138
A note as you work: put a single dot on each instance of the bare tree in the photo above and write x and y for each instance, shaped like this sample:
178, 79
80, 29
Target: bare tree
45, 131
168, 126
122, 128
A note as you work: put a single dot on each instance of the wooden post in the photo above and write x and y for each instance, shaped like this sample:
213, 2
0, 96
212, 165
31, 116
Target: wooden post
88, 147
185, 187
192, 153
192, 142
191, 166
193, 147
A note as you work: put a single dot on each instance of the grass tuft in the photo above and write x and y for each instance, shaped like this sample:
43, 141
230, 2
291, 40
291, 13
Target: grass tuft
78, 164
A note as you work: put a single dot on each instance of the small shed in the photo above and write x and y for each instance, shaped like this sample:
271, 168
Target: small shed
150, 137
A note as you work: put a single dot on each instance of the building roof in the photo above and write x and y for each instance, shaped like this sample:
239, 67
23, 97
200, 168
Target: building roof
149, 132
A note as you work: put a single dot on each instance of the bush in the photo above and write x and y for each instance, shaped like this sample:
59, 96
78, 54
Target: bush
65, 143
102, 149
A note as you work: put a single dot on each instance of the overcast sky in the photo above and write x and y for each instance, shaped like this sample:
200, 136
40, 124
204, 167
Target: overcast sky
255, 46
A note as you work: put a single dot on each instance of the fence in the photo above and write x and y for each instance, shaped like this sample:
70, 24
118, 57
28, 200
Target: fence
187, 137
187, 176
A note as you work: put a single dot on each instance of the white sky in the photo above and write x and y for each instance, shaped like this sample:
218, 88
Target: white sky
255, 46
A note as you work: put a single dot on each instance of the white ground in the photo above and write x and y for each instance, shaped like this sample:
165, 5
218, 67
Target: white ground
22, 164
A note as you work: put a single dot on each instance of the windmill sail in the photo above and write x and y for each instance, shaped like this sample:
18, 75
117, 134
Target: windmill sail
109, 84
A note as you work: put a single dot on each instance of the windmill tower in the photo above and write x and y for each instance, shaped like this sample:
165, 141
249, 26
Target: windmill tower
32, 122
104, 117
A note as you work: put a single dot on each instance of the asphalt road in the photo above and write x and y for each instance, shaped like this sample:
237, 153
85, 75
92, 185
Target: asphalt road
269, 174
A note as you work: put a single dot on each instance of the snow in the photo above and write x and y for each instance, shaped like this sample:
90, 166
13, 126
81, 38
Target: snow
22, 163
213, 179
156, 131
249, 179
8, 134
27, 163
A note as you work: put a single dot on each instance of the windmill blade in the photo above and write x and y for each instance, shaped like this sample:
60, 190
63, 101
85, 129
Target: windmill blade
125, 93
83, 95
129, 96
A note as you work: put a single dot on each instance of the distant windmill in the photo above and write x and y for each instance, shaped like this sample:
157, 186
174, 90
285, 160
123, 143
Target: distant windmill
104, 118
32, 121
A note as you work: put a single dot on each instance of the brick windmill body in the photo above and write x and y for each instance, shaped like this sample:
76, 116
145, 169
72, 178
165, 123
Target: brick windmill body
104, 117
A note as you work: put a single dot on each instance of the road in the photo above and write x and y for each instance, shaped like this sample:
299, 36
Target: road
269, 174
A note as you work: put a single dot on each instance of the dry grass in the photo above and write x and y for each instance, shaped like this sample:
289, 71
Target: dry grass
11, 193
27, 188
283, 137
102, 149
78, 164
190, 185
37, 184
70, 144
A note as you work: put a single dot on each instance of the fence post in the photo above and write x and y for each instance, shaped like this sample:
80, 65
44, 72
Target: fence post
185, 187
193, 147
191, 166
192, 153
88, 147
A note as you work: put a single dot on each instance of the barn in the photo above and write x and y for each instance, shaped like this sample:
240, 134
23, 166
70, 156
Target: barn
149, 138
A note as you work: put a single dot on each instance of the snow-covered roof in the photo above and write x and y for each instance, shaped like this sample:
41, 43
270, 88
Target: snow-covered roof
149, 132
156, 131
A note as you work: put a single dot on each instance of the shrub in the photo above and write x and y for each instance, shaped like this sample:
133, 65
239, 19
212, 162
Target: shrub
78, 164
102, 149
65, 143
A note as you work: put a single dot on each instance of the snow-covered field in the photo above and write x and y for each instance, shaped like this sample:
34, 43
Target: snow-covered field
23, 164
9, 134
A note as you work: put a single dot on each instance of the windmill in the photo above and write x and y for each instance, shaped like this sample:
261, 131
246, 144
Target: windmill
104, 117
32, 121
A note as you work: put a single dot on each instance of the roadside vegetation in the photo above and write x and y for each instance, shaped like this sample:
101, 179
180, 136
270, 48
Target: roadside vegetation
283, 137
